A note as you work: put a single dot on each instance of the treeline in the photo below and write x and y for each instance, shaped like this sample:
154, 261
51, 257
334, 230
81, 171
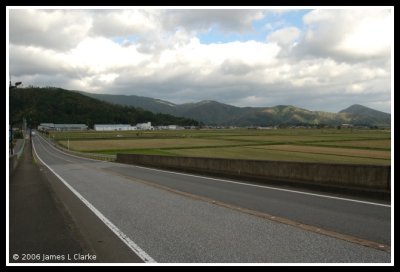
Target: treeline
55, 105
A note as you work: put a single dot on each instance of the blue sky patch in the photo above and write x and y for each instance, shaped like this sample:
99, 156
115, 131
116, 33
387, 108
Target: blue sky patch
261, 28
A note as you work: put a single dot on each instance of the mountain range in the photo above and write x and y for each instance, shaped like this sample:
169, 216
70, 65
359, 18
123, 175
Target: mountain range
215, 113
55, 105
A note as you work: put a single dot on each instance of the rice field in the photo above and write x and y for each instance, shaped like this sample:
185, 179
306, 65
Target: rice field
370, 144
256, 153
96, 145
311, 145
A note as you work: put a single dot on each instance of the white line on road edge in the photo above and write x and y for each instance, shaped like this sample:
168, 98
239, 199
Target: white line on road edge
132, 245
267, 187
53, 154
59, 150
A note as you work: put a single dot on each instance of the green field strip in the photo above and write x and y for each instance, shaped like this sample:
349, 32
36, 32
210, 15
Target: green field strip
346, 146
135, 151
278, 155
321, 153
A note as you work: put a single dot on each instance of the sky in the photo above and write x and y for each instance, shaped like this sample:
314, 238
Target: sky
318, 59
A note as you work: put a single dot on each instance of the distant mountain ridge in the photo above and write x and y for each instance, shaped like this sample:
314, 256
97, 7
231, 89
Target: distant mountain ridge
147, 103
55, 105
216, 113
361, 114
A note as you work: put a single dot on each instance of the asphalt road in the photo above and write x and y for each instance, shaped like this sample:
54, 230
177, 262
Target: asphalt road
170, 227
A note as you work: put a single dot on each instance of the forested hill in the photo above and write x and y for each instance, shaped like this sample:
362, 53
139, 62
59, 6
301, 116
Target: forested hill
55, 105
216, 113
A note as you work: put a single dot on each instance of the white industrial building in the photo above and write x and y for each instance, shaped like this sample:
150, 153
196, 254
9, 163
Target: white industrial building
112, 127
347, 126
174, 127
62, 127
46, 126
170, 127
144, 126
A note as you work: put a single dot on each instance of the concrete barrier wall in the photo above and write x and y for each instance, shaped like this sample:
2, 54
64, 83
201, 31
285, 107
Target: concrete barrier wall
13, 160
374, 177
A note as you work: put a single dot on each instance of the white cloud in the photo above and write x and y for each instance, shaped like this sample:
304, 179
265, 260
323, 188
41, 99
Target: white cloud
53, 29
99, 55
339, 57
228, 20
29, 60
355, 88
286, 36
351, 34
115, 23
370, 36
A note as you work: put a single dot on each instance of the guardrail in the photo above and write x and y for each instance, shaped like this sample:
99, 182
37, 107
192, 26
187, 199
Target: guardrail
14, 159
19, 153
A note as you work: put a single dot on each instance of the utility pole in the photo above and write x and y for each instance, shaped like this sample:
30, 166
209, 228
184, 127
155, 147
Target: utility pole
24, 125
11, 140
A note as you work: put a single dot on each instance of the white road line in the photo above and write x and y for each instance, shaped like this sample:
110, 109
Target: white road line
132, 245
52, 153
59, 150
267, 187
254, 185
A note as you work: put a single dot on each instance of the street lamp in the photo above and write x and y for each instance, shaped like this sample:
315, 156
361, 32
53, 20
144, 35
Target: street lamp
67, 142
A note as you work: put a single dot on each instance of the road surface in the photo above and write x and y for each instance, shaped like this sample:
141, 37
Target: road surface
147, 208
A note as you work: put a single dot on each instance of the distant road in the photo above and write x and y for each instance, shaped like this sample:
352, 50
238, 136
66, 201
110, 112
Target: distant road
167, 226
